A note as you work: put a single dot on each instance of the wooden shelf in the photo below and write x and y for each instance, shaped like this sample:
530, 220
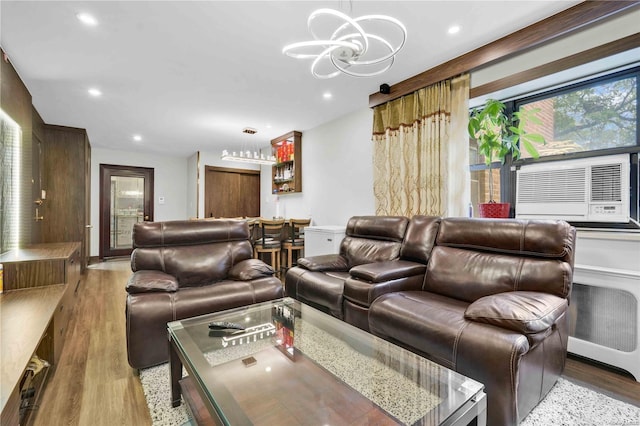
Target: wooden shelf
286, 175
27, 317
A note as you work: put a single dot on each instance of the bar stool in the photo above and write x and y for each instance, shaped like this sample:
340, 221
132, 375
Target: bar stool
270, 241
295, 241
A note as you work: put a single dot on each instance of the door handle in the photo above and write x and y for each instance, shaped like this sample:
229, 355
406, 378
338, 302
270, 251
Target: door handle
146, 217
88, 226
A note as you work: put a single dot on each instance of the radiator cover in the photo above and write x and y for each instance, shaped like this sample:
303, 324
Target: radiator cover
603, 316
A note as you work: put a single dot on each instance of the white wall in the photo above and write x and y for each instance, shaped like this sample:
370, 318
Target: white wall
192, 185
337, 174
170, 182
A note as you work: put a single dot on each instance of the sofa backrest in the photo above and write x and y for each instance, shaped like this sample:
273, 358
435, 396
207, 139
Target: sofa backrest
478, 257
196, 252
420, 238
371, 239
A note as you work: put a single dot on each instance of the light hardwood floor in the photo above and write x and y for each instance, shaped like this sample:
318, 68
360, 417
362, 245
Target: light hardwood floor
94, 385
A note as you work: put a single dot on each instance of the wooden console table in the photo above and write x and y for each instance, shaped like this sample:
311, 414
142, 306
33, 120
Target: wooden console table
40, 284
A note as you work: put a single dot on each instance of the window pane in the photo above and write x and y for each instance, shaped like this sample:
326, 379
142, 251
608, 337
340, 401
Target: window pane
480, 187
474, 156
597, 117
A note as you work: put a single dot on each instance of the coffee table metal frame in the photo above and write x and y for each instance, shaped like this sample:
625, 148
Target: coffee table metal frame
184, 351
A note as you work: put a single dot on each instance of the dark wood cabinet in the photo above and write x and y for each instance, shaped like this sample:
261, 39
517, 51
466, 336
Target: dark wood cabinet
286, 174
40, 282
66, 175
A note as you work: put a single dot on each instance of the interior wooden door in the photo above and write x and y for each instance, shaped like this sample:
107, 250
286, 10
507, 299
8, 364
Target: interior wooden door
126, 197
231, 192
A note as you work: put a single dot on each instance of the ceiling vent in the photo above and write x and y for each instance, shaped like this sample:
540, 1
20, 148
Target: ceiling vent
249, 130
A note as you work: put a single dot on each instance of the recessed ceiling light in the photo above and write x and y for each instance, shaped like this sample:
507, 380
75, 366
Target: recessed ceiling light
268, 126
137, 138
95, 92
454, 29
327, 95
87, 19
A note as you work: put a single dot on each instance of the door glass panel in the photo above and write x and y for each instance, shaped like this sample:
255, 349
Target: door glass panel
127, 208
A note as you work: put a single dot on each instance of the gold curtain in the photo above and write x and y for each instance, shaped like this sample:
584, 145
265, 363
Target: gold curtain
413, 167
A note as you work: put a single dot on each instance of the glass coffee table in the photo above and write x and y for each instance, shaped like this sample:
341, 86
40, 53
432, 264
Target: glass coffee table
294, 365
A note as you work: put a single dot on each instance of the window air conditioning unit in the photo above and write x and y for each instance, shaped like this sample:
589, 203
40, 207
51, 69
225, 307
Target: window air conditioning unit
582, 190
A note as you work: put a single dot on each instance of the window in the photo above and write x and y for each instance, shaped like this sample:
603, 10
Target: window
587, 119
599, 115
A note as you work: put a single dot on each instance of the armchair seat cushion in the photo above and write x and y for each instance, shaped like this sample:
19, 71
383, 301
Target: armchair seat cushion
527, 312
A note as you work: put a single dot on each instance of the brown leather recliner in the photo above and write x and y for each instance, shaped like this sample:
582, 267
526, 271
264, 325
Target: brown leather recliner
319, 280
493, 306
369, 281
183, 269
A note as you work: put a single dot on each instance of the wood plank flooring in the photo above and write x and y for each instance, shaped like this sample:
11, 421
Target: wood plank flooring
94, 385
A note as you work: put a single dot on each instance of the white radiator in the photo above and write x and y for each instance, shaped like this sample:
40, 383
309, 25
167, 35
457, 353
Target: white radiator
604, 315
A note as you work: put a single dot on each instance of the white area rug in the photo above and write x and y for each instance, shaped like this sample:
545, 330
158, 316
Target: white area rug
567, 404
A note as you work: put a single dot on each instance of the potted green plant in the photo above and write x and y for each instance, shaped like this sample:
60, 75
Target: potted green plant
498, 135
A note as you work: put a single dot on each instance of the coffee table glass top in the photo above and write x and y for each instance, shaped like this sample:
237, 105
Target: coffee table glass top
293, 364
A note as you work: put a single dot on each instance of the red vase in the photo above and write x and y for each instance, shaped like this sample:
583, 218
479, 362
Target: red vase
494, 210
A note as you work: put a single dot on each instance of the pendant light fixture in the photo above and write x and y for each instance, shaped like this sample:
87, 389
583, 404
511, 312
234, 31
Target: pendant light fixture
353, 48
248, 156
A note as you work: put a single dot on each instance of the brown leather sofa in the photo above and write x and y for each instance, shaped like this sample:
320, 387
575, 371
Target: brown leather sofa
492, 303
183, 269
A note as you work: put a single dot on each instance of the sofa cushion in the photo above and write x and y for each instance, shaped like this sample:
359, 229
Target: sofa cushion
471, 274
151, 281
250, 269
428, 322
193, 265
359, 251
527, 312
420, 238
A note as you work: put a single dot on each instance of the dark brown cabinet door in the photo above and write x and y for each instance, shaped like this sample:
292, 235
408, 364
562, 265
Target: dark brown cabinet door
126, 197
66, 177
231, 192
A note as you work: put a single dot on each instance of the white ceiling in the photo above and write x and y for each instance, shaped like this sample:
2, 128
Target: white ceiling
189, 76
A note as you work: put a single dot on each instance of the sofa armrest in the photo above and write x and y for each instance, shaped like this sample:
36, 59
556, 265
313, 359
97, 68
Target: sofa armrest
378, 272
149, 281
325, 262
250, 269
527, 312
